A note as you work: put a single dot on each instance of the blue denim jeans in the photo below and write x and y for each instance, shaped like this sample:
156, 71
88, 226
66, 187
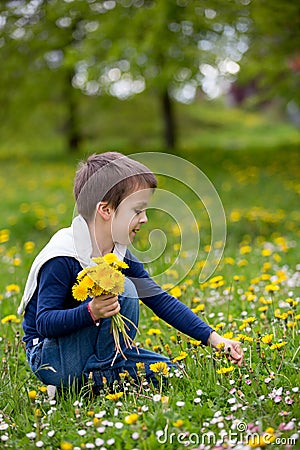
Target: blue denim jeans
65, 360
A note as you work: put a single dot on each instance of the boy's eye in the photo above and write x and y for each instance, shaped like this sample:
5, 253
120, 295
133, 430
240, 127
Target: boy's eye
138, 211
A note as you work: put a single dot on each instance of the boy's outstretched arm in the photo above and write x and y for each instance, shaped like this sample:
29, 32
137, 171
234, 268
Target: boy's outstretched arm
232, 348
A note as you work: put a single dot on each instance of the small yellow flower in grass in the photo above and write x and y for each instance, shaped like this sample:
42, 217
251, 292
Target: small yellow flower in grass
132, 418
278, 345
195, 343
249, 320
140, 365
219, 325
4, 236
115, 397
13, 288
267, 339
221, 345
176, 292
178, 423
198, 308
279, 315
43, 389
66, 446
164, 399
245, 249
29, 247
161, 368
244, 337
32, 395
11, 318
225, 370
266, 252
154, 331
228, 335
180, 357
271, 288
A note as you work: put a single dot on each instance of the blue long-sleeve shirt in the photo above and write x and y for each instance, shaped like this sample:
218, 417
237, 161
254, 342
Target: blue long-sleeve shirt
53, 312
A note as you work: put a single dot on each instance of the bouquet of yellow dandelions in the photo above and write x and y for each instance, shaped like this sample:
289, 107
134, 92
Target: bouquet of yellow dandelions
102, 279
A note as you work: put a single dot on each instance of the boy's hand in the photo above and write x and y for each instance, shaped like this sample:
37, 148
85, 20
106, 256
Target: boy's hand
231, 348
104, 306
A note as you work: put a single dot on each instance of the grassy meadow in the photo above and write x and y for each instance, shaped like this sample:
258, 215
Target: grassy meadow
253, 296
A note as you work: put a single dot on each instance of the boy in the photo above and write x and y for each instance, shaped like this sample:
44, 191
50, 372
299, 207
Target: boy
66, 341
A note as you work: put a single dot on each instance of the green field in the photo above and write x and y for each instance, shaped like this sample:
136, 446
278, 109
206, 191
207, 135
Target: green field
255, 299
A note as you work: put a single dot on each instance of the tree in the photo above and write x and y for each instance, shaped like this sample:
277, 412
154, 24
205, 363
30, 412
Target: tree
273, 58
164, 43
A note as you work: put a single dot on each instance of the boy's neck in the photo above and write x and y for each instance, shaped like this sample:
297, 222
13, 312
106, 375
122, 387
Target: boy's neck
101, 239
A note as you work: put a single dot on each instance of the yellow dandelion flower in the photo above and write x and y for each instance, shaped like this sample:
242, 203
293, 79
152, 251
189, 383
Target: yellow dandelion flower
29, 247
87, 282
278, 345
175, 292
115, 397
280, 315
132, 418
267, 339
225, 370
140, 365
66, 445
245, 249
97, 290
32, 395
11, 318
43, 389
13, 288
110, 258
266, 252
178, 423
228, 335
154, 331
79, 292
249, 320
195, 343
4, 236
229, 261
161, 368
219, 325
243, 337
180, 357
198, 308
271, 288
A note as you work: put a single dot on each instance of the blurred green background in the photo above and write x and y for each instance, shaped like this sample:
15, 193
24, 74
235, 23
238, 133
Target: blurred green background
184, 76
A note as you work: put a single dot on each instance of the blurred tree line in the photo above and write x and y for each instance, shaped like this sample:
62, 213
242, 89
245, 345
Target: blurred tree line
62, 50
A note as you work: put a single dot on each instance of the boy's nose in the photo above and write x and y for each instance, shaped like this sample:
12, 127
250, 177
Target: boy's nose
143, 218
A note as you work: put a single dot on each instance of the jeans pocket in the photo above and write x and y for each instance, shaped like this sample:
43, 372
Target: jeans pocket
34, 355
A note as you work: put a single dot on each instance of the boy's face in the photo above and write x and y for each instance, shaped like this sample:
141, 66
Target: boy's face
130, 216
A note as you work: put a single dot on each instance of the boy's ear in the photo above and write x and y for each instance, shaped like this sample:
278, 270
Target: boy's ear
105, 210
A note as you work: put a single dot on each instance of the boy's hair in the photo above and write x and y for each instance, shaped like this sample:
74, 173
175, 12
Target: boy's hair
108, 177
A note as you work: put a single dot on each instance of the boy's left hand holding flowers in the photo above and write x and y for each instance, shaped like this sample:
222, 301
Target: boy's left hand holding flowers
232, 348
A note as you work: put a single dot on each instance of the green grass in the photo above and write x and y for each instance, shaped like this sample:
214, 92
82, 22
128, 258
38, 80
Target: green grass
260, 193
136, 125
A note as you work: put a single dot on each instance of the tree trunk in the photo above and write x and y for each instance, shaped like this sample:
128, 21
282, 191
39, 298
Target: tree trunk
72, 129
169, 121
